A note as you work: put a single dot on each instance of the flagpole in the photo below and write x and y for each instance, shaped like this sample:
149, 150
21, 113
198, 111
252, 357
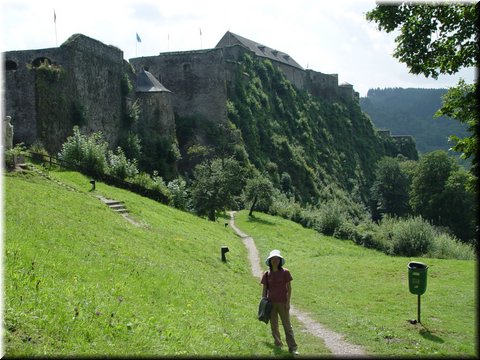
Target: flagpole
55, 22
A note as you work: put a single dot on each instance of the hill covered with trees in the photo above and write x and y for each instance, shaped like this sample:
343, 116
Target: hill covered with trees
411, 112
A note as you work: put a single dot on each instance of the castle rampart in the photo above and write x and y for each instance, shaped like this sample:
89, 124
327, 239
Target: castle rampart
51, 90
196, 79
87, 89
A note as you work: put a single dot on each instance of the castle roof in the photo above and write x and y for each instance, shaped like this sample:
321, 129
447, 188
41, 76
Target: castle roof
260, 50
146, 82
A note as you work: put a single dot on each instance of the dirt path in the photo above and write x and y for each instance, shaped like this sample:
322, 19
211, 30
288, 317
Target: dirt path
334, 341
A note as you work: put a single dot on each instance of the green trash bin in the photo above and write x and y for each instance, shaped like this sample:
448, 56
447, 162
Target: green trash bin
417, 277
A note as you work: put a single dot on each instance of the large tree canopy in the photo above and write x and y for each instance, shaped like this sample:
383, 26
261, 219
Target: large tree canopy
439, 39
434, 39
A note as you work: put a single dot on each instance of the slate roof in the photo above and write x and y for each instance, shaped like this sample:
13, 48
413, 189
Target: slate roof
146, 82
260, 50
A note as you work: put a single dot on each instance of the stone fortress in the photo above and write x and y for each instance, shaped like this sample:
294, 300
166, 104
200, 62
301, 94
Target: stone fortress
90, 88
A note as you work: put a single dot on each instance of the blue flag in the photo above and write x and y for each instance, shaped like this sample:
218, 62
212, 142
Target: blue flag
138, 38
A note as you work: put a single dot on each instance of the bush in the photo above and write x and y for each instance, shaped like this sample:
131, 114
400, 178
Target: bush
119, 166
331, 216
445, 246
285, 207
412, 237
347, 231
40, 155
88, 153
178, 191
142, 179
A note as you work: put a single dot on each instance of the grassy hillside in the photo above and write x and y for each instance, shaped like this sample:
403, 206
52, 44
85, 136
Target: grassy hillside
81, 280
364, 294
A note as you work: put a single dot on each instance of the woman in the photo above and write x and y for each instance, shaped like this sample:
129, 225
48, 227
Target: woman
278, 290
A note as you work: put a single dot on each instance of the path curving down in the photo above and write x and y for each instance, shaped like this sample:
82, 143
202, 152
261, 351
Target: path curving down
333, 341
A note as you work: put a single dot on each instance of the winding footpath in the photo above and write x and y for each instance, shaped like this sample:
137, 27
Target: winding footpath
333, 341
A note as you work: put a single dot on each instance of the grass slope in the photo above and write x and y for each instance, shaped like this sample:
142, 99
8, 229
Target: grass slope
81, 280
364, 294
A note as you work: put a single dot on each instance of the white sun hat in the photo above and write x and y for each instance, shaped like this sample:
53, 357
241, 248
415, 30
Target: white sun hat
274, 253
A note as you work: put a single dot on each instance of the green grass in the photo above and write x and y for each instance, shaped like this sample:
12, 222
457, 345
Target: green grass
81, 280
364, 294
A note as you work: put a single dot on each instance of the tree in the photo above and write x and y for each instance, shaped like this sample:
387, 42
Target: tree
460, 214
461, 103
434, 39
440, 194
428, 184
390, 188
259, 191
216, 185
438, 39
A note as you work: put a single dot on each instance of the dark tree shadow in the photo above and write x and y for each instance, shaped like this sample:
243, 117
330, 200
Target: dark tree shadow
426, 334
254, 219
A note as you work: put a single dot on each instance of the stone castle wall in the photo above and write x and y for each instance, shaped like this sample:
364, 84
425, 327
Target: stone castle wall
196, 79
87, 92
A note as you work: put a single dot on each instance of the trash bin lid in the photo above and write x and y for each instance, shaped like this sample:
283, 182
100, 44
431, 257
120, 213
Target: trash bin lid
417, 265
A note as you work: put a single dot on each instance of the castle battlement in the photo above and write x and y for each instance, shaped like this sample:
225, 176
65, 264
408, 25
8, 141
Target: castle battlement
91, 91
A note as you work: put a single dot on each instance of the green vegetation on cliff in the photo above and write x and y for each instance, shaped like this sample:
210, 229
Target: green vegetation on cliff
314, 142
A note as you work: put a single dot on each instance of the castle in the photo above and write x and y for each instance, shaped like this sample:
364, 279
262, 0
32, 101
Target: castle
86, 83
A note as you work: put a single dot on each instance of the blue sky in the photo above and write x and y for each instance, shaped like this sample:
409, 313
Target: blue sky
332, 37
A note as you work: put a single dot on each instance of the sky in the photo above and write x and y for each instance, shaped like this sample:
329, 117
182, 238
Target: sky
331, 37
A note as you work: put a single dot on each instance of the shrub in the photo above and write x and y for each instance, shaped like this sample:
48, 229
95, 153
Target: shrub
445, 246
17, 150
347, 231
331, 216
142, 179
88, 153
40, 155
120, 166
285, 207
412, 237
178, 191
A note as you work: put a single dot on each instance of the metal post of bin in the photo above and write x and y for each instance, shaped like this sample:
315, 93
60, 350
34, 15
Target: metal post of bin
418, 309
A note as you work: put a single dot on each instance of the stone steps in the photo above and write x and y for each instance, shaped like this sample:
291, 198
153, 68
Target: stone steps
117, 206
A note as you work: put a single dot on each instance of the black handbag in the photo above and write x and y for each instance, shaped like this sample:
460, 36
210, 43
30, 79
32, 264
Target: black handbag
264, 308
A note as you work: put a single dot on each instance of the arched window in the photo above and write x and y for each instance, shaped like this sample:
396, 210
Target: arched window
10, 65
40, 60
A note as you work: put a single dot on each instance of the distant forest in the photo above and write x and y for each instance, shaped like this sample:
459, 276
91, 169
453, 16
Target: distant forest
411, 112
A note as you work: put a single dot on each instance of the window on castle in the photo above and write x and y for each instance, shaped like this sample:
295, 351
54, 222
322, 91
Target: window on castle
40, 60
10, 65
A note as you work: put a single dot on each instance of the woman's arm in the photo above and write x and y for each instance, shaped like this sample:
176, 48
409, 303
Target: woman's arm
289, 293
264, 292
